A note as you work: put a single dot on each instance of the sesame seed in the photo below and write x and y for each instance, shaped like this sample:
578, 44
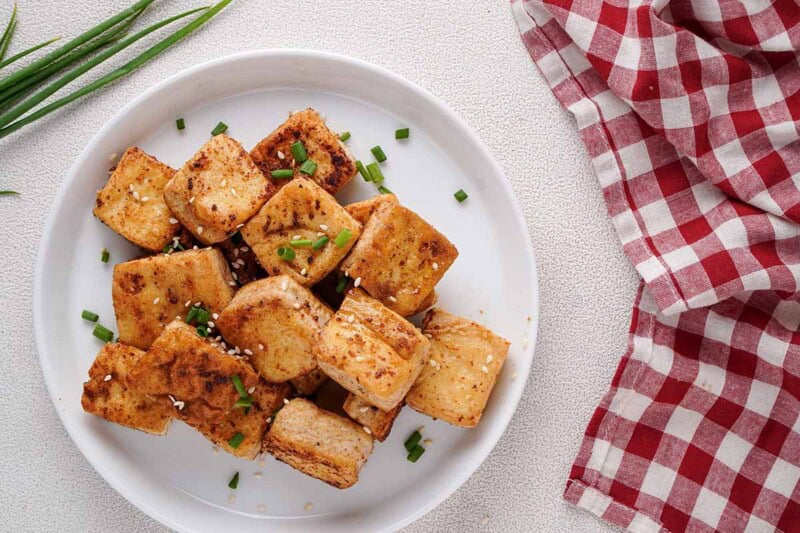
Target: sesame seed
199, 230
280, 155
107, 378
364, 409
240, 261
484, 369
215, 450
248, 351
392, 299
285, 401
231, 352
130, 187
367, 430
180, 405
173, 220
435, 266
427, 442
258, 474
261, 507
359, 358
237, 350
252, 389
235, 265
156, 300
262, 462
260, 346
357, 283
485, 520
214, 344
145, 198
489, 358
323, 227
244, 249
223, 183
240, 225
303, 272
514, 375
235, 252
188, 303
136, 194
215, 316
233, 191
320, 234
197, 304
195, 247
210, 324
191, 200
351, 319
231, 498
232, 283
433, 363
309, 506
171, 398
296, 238
235, 276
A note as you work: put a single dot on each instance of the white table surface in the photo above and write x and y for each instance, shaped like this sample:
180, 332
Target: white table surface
473, 59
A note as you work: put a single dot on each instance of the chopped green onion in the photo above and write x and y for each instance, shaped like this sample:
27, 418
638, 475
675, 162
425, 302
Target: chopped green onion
460, 195
308, 167
203, 316
384, 190
219, 128
202, 330
415, 453
192, 315
88, 315
342, 238
299, 152
103, 333
236, 440
9, 193
413, 440
377, 151
363, 171
105, 256
180, 124
344, 136
300, 243
234, 482
282, 173
402, 133
244, 402
239, 386
286, 253
375, 174
319, 243
341, 285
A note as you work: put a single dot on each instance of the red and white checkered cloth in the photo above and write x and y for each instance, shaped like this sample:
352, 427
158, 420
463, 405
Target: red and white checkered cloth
690, 111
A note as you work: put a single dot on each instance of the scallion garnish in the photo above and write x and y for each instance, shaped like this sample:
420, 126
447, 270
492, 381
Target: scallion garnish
105, 256
203, 316
88, 315
282, 173
375, 174
363, 171
192, 315
286, 253
300, 243
9, 193
460, 195
219, 128
415, 453
239, 386
234, 482
299, 152
202, 330
236, 440
412, 440
377, 151
341, 285
384, 190
180, 124
344, 136
342, 238
402, 133
308, 167
103, 333
244, 402
319, 243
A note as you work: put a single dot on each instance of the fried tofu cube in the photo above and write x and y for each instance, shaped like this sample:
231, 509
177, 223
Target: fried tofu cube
309, 383
301, 211
150, 292
371, 351
364, 209
400, 258
318, 443
108, 395
132, 201
276, 320
218, 189
378, 422
335, 166
465, 361
198, 379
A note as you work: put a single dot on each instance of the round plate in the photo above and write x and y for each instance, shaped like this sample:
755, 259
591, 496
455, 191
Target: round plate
178, 479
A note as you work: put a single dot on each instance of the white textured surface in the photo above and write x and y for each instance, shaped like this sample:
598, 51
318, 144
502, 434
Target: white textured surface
472, 58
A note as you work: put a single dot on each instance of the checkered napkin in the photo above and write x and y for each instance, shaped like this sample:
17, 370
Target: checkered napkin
690, 111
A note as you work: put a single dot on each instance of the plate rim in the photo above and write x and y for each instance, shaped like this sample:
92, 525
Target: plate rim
482, 451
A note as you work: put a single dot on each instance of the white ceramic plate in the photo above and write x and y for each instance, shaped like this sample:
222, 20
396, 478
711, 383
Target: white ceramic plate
178, 479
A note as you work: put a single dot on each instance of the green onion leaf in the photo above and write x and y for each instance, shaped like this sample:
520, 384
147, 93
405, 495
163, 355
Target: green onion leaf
342, 238
5, 40
375, 174
9, 193
377, 151
299, 152
286, 253
105, 256
300, 243
413, 440
88, 315
234, 482
344, 136
203, 316
363, 171
341, 285
415, 453
244, 402
236, 440
460, 195
239, 386
319, 243
26, 52
219, 128
282, 174
103, 333
402, 133
202, 330
192, 315
180, 124
384, 190
308, 167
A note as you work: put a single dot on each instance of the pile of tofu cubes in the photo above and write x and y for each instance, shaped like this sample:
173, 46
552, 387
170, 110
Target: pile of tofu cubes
278, 331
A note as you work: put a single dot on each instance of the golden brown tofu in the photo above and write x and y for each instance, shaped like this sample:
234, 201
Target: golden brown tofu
335, 166
217, 190
108, 395
318, 443
300, 211
307, 384
364, 209
371, 351
427, 303
465, 361
400, 258
149, 293
132, 202
275, 321
378, 422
